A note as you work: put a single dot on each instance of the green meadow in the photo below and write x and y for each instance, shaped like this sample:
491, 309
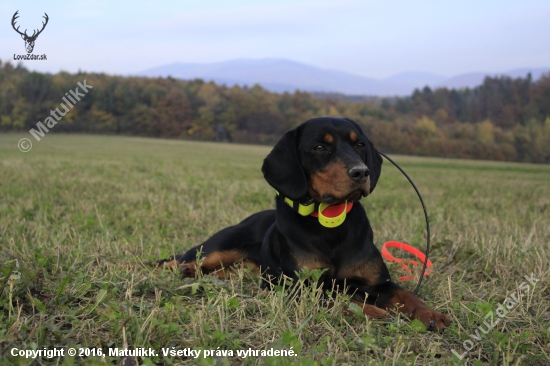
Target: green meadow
80, 214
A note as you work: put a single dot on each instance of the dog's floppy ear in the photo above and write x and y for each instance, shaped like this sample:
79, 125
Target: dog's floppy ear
373, 160
283, 171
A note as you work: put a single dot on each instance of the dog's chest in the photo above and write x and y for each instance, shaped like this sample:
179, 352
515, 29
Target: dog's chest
313, 261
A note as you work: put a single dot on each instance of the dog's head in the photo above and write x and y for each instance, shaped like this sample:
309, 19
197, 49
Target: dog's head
328, 159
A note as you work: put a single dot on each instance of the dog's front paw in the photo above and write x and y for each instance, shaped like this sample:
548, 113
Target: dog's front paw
186, 269
433, 320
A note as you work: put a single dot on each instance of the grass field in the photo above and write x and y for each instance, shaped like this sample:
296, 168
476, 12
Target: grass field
77, 211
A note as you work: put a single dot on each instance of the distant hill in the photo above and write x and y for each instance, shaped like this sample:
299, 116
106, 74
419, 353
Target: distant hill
476, 78
276, 75
410, 80
279, 75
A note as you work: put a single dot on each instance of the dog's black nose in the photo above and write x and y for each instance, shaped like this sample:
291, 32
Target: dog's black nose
359, 173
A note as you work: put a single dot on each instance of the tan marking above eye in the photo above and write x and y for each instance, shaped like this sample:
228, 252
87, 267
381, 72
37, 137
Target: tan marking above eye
353, 136
328, 138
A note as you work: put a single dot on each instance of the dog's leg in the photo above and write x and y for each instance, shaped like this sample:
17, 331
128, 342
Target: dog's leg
393, 298
410, 305
371, 277
369, 310
233, 245
219, 263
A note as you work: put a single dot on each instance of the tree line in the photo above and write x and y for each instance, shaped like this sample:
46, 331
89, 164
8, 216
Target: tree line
502, 119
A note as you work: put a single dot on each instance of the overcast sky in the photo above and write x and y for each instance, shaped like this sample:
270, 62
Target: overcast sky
369, 38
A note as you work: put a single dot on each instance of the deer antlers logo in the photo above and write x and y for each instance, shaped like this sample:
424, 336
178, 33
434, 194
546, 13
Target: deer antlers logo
29, 40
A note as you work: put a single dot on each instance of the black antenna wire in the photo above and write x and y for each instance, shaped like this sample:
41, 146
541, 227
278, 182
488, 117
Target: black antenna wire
425, 216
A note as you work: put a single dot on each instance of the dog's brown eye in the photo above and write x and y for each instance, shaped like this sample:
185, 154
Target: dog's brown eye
319, 148
360, 146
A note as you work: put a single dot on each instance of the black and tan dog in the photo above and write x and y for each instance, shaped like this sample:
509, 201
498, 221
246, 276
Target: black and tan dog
324, 162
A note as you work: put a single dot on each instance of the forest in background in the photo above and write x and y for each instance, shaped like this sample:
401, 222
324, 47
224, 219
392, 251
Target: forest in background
503, 119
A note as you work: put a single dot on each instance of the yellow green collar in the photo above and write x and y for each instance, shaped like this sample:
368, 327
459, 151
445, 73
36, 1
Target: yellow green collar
310, 207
